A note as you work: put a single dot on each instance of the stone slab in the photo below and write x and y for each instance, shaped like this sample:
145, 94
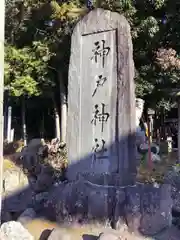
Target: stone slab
101, 98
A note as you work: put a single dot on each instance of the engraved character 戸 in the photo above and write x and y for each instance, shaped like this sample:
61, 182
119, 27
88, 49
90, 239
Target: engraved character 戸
100, 82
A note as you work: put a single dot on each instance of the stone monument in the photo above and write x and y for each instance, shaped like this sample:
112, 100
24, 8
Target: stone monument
101, 98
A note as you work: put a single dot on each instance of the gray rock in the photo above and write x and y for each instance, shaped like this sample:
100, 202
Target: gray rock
89, 237
45, 234
14, 231
41, 197
29, 160
38, 200
5, 215
108, 236
67, 202
132, 208
112, 179
176, 199
119, 207
148, 208
44, 179
27, 216
173, 177
18, 202
13, 180
59, 234
156, 209
81, 201
171, 233
101, 202
33, 145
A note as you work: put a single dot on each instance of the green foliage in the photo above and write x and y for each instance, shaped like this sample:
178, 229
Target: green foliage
18, 74
26, 69
38, 39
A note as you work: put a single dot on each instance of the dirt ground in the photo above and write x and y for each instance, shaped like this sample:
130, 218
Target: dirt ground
87, 232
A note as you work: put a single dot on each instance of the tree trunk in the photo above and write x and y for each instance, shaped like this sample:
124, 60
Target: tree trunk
63, 100
23, 114
57, 121
42, 126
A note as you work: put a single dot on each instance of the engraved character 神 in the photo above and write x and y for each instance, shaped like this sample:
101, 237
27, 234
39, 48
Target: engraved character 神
100, 116
100, 51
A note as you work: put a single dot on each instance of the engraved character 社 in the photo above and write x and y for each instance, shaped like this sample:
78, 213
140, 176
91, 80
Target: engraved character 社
99, 150
99, 83
100, 52
100, 116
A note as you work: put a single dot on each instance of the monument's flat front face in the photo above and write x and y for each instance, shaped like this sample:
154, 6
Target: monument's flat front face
101, 99
96, 98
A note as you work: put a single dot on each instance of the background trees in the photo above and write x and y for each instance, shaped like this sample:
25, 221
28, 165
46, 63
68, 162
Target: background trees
38, 36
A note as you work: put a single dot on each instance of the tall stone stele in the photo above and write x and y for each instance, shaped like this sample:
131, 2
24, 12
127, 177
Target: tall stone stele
101, 99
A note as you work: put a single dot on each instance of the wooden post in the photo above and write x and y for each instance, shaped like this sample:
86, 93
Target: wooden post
2, 21
9, 124
178, 101
149, 147
63, 101
23, 115
151, 113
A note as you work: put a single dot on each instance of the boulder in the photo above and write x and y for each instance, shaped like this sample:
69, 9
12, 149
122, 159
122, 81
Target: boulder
101, 202
14, 231
172, 177
13, 180
66, 201
118, 208
27, 216
132, 207
34, 144
59, 234
108, 236
104, 179
44, 179
16, 203
156, 209
81, 201
168, 234
38, 201
29, 157
148, 208
5, 216
45, 234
